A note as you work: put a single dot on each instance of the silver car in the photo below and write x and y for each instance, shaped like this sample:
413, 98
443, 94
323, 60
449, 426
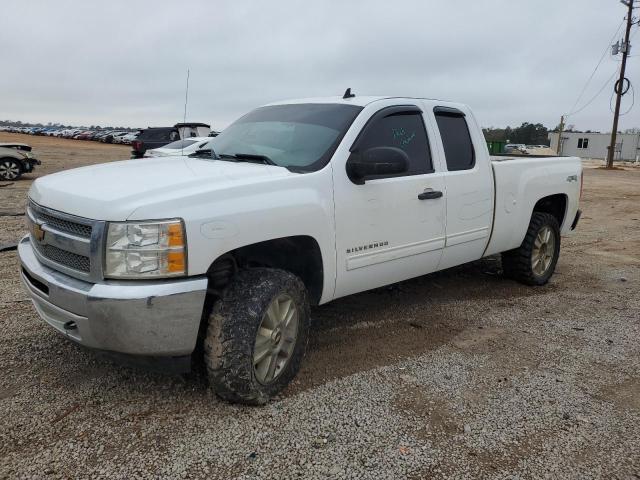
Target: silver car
16, 159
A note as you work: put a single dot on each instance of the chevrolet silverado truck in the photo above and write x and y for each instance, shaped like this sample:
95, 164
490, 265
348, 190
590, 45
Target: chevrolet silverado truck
295, 204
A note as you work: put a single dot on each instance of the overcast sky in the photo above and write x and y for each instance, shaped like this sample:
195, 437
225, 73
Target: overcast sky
124, 62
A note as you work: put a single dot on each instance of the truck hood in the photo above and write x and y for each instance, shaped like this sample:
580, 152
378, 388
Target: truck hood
113, 191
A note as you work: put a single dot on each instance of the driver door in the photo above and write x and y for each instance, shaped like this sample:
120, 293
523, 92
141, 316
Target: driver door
391, 227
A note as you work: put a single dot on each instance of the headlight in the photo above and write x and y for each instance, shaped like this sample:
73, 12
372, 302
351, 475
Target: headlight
145, 250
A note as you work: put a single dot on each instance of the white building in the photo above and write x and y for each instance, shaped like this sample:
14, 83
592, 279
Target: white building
596, 145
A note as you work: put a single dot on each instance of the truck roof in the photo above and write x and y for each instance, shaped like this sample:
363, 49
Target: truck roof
361, 101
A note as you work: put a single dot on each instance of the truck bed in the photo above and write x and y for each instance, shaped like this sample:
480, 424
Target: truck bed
518, 182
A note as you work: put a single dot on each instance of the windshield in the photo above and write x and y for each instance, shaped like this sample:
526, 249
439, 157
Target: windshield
180, 144
300, 136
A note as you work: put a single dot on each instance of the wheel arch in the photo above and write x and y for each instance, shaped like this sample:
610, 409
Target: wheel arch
555, 205
300, 255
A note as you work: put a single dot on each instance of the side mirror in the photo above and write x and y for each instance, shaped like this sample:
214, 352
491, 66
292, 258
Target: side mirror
376, 161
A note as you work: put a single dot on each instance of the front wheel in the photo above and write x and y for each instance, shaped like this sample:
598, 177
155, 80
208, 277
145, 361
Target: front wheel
10, 169
535, 260
257, 335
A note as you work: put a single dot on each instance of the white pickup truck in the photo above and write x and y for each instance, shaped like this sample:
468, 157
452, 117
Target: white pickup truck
295, 204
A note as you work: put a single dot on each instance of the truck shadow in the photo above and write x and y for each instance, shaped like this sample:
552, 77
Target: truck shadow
386, 325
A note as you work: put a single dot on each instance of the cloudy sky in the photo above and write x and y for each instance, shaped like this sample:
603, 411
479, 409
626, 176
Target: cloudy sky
124, 62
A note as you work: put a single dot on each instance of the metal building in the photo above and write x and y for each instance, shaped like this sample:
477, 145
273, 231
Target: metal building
595, 145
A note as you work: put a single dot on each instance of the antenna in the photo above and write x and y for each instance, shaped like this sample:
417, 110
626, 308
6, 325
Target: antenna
348, 94
184, 117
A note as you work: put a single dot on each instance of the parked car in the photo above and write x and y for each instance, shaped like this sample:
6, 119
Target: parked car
108, 138
16, 159
299, 203
84, 135
128, 138
99, 137
515, 148
156, 137
118, 138
179, 147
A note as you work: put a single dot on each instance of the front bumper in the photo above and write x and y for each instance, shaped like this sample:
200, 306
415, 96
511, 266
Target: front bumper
29, 163
151, 318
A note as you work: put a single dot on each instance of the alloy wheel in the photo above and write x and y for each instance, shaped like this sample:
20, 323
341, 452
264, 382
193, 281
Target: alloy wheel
276, 339
9, 170
544, 248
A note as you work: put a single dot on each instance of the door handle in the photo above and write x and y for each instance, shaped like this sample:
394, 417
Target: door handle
430, 195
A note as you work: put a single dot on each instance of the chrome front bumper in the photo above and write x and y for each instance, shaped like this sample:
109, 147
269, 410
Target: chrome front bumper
150, 318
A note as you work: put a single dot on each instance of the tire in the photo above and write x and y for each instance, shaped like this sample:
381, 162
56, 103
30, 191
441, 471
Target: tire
236, 338
10, 169
531, 263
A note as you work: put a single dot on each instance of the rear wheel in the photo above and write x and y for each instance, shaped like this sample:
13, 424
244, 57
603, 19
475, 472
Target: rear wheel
535, 260
257, 335
10, 169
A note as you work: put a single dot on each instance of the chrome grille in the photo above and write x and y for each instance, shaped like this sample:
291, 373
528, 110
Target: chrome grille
68, 259
66, 226
65, 242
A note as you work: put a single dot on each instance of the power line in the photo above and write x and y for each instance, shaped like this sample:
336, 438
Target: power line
633, 100
604, 54
596, 95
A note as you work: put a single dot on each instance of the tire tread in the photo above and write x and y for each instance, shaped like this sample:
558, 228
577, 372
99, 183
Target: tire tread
516, 264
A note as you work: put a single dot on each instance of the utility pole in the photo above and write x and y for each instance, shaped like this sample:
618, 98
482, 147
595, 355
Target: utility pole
560, 130
620, 83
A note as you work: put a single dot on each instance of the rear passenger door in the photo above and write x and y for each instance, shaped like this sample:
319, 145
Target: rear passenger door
469, 184
387, 229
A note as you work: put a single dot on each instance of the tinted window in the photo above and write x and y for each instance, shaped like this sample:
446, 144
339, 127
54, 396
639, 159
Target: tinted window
401, 130
158, 134
301, 136
458, 148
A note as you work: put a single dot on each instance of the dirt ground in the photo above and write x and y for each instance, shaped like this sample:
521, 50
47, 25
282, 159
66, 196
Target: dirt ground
459, 374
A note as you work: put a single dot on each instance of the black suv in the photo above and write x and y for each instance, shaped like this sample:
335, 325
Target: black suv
153, 138
157, 137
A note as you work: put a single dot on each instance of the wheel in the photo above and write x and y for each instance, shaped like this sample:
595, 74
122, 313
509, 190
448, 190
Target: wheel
10, 169
257, 335
535, 260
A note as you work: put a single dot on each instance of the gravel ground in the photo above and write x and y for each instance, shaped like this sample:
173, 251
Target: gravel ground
460, 374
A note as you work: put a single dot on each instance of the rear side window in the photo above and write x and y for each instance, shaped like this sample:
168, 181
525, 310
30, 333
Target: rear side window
159, 134
456, 139
401, 130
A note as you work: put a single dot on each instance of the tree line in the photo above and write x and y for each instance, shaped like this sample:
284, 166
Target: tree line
527, 133
534, 133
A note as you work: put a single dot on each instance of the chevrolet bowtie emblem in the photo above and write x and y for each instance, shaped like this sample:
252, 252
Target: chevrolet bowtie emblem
37, 232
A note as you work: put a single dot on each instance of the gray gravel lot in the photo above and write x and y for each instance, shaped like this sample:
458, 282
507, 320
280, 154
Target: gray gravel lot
461, 374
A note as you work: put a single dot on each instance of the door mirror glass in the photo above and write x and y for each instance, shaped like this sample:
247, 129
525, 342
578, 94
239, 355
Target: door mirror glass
376, 161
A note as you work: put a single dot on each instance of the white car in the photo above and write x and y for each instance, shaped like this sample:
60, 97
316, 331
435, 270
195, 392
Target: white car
300, 203
128, 138
118, 137
179, 147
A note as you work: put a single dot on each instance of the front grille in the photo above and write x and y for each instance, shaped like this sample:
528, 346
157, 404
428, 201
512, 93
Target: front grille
67, 226
62, 241
68, 259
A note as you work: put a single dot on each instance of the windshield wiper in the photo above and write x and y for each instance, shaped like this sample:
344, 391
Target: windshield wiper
249, 157
201, 153
205, 153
